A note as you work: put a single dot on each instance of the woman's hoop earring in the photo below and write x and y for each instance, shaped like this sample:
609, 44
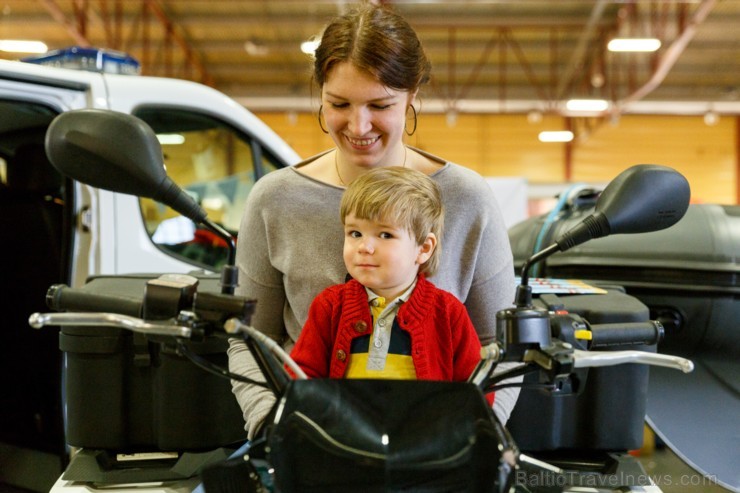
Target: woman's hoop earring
321, 125
413, 131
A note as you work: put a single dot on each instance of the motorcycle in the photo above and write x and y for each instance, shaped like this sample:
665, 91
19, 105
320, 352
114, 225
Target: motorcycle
347, 435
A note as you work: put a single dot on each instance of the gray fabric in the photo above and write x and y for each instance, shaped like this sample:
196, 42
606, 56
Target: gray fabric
290, 249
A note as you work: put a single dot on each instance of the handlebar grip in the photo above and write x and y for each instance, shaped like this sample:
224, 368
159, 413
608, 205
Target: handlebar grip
221, 307
63, 298
626, 334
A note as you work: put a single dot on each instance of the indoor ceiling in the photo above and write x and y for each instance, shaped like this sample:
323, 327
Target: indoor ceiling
495, 55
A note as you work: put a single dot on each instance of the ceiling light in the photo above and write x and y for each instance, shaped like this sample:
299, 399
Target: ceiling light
309, 47
634, 44
255, 48
213, 203
171, 139
556, 136
587, 105
711, 118
597, 80
22, 46
534, 116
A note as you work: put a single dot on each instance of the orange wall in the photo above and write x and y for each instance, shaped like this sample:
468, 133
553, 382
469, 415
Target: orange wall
507, 145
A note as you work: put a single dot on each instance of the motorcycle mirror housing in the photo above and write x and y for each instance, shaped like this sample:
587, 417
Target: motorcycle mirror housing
116, 152
643, 198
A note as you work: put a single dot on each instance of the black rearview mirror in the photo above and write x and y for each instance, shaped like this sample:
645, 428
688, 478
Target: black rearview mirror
117, 152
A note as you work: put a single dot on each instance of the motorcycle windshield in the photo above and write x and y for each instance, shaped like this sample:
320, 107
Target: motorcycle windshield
387, 435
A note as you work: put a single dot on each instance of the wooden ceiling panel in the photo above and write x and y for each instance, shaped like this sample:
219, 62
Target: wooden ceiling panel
531, 50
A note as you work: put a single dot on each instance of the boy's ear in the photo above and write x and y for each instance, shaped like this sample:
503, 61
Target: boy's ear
426, 248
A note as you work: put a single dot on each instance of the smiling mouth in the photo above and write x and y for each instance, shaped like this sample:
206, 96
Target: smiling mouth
362, 142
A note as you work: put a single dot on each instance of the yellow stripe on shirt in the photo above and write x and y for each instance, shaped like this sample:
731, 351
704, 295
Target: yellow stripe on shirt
397, 367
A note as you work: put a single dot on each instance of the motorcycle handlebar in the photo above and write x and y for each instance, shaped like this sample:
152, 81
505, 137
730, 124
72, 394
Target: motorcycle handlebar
231, 326
211, 307
63, 298
625, 334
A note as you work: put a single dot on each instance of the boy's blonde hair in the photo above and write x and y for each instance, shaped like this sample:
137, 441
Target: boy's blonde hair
403, 197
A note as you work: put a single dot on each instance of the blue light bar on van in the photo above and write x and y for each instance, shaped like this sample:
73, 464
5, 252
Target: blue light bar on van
90, 59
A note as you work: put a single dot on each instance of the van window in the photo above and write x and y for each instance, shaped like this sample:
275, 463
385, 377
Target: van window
215, 164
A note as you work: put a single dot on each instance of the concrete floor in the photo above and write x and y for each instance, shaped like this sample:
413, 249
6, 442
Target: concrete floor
25, 471
673, 475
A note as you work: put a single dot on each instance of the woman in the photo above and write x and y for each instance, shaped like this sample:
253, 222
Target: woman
369, 67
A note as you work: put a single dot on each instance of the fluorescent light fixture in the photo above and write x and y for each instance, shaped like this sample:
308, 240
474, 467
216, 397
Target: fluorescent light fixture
634, 44
213, 203
556, 136
309, 47
171, 139
711, 118
587, 105
534, 116
256, 48
23, 46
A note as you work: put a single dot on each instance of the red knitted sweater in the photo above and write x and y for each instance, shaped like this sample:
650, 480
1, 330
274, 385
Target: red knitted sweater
444, 344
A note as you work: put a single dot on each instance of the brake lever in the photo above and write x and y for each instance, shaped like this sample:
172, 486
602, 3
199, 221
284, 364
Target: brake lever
39, 320
586, 359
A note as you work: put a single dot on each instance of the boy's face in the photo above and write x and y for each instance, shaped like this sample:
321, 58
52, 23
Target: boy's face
383, 256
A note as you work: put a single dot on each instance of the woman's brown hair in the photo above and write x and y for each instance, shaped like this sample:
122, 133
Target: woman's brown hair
376, 39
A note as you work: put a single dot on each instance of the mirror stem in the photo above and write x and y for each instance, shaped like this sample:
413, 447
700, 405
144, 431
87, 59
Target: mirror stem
230, 273
523, 291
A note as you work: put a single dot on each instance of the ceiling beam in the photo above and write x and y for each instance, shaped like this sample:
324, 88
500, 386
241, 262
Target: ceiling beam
577, 58
670, 57
56, 13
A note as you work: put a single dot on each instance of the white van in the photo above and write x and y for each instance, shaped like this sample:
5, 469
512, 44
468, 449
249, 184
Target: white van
57, 231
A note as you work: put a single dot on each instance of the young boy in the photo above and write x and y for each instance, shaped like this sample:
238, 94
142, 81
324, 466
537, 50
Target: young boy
388, 320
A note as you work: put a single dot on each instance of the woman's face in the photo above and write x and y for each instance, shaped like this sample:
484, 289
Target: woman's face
365, 118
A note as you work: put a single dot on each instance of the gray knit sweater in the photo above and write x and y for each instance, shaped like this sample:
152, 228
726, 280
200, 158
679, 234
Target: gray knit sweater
290, 249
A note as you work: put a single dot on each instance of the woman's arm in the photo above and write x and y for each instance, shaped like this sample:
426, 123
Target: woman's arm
478, 263
254, 401
258, 280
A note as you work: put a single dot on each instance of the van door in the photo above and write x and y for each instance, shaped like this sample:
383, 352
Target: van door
39, 218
